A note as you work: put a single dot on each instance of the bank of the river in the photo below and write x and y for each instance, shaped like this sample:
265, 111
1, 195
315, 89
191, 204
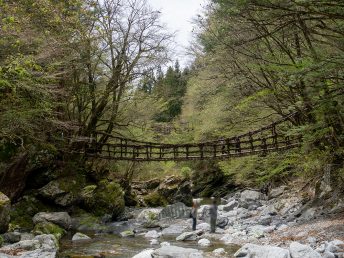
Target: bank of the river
249, 224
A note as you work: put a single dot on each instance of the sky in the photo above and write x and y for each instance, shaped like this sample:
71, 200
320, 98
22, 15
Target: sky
178, 15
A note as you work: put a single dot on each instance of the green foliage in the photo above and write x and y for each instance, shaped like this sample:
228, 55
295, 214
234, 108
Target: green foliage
49, 228
154, 199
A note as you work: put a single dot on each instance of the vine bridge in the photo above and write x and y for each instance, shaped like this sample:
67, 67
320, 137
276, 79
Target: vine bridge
270, 138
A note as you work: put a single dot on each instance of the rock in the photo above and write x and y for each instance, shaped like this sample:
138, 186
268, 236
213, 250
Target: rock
309, 214
204, 226
335, 246
152, 234
219, 252
312, 241
269, 210
148, 214
250, 195
328, 254
144, 254
230, 206
265, 220
298, 250
177, 211
51, 190
203, 213
80, 236
258, 251
275, 192
188, 236
176, 252
222, 222
154, 242
106, 198
12, 237
165, 244
173, 230
38, 254
5, 208
41, 243
127, 233
203, 242
49, 228
227, 239
61, 219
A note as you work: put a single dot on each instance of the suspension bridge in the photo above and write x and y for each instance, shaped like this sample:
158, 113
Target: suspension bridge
270, 138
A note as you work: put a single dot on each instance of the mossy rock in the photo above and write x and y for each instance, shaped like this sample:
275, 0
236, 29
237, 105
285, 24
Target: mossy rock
155, 200
49, 228
23, 211
5, 207
106, 198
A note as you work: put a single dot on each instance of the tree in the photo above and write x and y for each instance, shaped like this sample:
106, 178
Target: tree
122, 41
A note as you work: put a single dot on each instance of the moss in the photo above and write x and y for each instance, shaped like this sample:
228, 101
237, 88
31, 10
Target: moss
1, 241
106, 198
155, 200
23, 211
49, 228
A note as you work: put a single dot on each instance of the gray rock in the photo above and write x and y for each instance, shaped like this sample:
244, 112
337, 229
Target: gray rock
203, 226
5, 208
154, 242
222, 222
298, 250
177, 211
187, 236
152, 234
250, 195
265, 220
204, 213
231, 205
144, 254
258, 251
38, 254
80, 236
41, 243
59, 218
219, 252
204, 242
12, 237
277, 191
328, 254
335, 246
176, 252
173, 230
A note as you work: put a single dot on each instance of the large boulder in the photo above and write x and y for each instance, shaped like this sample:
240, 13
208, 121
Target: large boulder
144, 254
106, 198
258, 251
176, 252
298, 250
250, 195
174, 229
177, 211
5, 208
61, 219
64, 191
175, 189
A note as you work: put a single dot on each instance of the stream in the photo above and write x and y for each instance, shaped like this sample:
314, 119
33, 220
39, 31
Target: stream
111, 246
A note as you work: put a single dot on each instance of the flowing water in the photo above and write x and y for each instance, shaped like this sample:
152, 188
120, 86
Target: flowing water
113, 246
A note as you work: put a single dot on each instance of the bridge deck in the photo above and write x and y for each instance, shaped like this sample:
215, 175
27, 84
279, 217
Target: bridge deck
271, 138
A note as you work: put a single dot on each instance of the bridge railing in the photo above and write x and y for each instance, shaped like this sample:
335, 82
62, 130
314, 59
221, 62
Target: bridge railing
266, 139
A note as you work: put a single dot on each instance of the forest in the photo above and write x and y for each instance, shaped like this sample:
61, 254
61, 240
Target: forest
74, 72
